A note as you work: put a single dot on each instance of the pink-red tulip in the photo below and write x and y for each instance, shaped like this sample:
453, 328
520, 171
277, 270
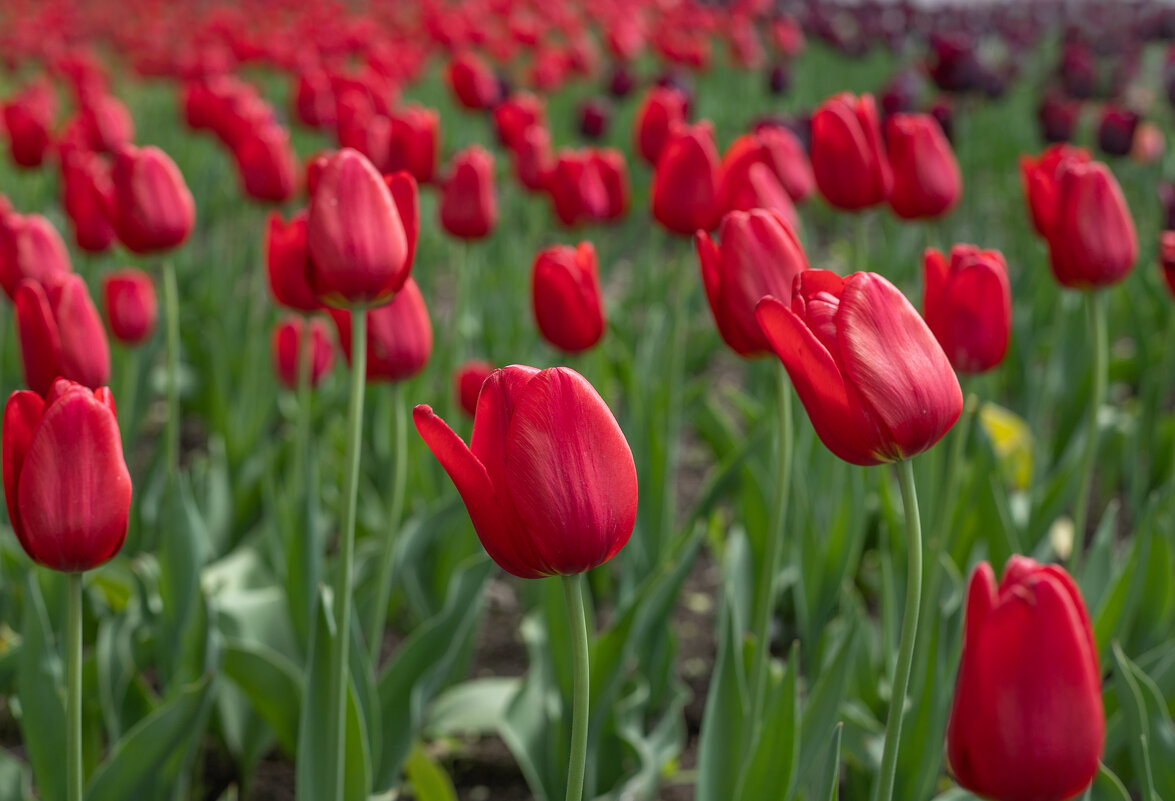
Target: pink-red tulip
88, 198
399, 335
515, 114
469, 205
472, 81
967, 302
1027, 722
132, 309
31, 248
360, 253
685, 184
28, 119
153, 208
467, 381
871, 375
61, 334
848, 160
759, 255
533, 160
548, 477
926, 177
267, 164
663, 110
568, 304
576, 187
107, 123
286, 346
415, 142
1092, 240
65, 480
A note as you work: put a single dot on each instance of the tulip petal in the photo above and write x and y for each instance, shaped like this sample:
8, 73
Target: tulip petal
406, 196
74, 492
85, 353
40, 342
21, 416
895, 363
571, 477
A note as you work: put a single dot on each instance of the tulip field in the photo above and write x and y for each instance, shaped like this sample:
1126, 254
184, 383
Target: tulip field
610, 400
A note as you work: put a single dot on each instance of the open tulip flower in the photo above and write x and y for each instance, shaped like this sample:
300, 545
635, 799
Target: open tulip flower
875, 382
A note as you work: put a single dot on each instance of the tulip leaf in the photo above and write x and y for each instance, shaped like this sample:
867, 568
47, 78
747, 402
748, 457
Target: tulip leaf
1107, 786
180, 554
471, 708
15, 781
830, 776
429, 780
272, 684
132, 770
822, 705
775, 757
41, 694
1134, 708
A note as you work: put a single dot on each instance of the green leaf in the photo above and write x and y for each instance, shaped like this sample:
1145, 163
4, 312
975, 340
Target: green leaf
271, 682
15, 781
428, 779
41, 694
1107, 786
1134, 709
135, 761
775, 755
473, 707
830, 777
181, 553
822, 706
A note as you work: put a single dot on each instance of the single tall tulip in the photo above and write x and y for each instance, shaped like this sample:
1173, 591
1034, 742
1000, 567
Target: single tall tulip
873, 379
968, 305
469, 206
287, 344
568, 304
759, 255
1027, 722
926, 177
153, 208
399, 336
848, 160
132, 309
65, 481
1092, 241
358, 242
61, 334
685, 184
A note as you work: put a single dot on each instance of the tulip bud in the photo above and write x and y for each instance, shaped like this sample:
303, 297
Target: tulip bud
594, 116
414, 145
875, 383
399, 335
614, 174
469, 207
1039, 179
851, 170
65, 480
778, 79
548, 478
88, 198
1058, 116
28, 120
61, 334
621, 82
1115, 131
355, 235
514, 115
967, 302
685, 185
314, 101
467, 383
287, 259
267, 164
533, 160
663, 110
287, 344
472, 82
153, 208
1027, 720
926, 177
568, 305
1092, 241
759, 255
107, 122
31, 248
577, 190
131, 307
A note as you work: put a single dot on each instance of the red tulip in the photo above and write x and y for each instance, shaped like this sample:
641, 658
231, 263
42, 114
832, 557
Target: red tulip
533, 160
760, 189
65, 480
1039, 178
467, 383
399, 335
577, 190
874, 381
61, 334
30, 247
153, 208
469, 207
848, 162
759, 256
685, 184
472, 81
515, 114
131, 307
926, 177
777, 148
287, 260
568, 305
314, 101
663, 109
28, 120
1167, 258
267, 164
1027, 722
107, 122
358, 247
614, 173
1092, 241
88, 198
414, 145
968, 305
287, 349
548, 478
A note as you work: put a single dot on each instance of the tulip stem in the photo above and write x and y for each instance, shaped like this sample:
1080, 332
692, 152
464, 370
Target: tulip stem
304, 473
1095, 305
764, 603
940, 535
901, 678
573, 592
395, 512
342, 590
73, 687
171, 309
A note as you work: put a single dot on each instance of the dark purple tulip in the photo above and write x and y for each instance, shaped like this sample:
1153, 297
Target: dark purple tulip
779, 79
594, 116
1115, 132
1058, 116
621, 83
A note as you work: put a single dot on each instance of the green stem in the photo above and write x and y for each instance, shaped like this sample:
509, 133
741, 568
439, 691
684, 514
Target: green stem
304, 473
673, 416
573, 592
1095, 305
764, 602
171, 305
901, 679
947, 501
73, 687
396, 510
342, 589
